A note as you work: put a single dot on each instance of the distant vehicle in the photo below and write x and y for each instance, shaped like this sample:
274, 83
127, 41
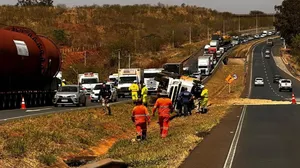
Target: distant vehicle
285, 84
206, 48
88, 80
204, 65
267, 51
196, 75
126, 77
70, 95
259, 81
263, 35
270, 42
276, 78
256, 36
113, 78
96, 92
270, 33
267, 55
235, 42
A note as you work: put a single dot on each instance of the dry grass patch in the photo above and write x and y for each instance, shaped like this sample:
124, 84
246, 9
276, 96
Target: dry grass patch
242, 50
42, 141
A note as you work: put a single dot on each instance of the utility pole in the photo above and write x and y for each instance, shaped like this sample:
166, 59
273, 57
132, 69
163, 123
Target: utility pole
119, 58
223, 27
256, 22
239, 23
173, 39
129, 60
190, 37
85, 58
207, 33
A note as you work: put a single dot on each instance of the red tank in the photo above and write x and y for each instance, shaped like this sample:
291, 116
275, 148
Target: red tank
26, 57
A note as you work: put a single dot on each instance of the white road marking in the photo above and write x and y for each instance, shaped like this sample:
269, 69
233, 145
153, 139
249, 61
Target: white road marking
36, 110
234, 143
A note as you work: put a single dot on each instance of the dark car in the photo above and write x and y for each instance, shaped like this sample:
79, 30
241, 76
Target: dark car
276, 78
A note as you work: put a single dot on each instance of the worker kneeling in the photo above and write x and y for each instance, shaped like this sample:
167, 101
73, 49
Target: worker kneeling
134, 88
204, 99
141, 118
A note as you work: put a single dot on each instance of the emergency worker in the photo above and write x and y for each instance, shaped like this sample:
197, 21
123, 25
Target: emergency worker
204, 99
134, 88
144, 94
185, 98
196, 91
104, 96
141, 118
165, 108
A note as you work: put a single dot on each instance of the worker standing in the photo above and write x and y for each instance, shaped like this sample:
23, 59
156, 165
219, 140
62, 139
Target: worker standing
144, 94
204, 99
134, 88
104, 96
165, 108
196, 91
185, 98
63, 83
141, 118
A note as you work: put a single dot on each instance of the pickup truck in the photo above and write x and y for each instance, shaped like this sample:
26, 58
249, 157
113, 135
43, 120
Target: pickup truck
285, 84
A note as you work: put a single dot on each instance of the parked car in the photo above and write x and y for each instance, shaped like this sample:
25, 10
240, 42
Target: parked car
259, 81
276, 78
96, 92
70, 95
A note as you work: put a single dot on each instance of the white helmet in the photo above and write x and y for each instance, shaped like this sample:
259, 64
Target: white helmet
202, 86
135, 81
63, 80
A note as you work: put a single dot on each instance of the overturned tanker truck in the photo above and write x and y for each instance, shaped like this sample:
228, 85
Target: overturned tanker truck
28, 66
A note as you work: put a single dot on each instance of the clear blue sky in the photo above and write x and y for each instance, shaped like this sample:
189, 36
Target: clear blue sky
234, 6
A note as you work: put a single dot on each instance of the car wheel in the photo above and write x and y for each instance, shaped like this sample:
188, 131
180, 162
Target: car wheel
78, 105
119, 96
84, 103
116, 99
62, 105
279, 90
55, 105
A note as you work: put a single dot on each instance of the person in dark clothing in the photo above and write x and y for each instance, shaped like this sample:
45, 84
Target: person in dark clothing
185, 97
196, 91
104, 96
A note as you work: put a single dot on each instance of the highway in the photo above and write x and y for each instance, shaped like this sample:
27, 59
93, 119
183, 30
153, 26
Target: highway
267, 136
6, 115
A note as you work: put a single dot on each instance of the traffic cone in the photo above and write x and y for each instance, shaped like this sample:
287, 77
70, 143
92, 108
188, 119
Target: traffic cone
293, 99
23, 105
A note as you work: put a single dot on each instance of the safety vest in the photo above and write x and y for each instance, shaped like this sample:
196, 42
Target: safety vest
63, 84
140, 114
204, 93
164, 106
134, 87
145, 91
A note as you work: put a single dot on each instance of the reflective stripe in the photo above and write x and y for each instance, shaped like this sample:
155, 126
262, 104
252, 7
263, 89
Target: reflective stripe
141, 115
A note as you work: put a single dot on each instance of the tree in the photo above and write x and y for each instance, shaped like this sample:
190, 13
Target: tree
287, 19
35, 3
256, 12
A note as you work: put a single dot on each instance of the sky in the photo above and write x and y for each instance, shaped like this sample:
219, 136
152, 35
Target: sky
234, 6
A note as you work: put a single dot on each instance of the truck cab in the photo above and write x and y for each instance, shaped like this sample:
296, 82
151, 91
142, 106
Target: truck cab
126, 78
149, 79
204, 65
285, 84
88, 80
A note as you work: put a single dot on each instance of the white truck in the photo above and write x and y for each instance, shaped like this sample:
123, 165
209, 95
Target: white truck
206, 47
285, 84
214, 43
113, 78
204, 65
126, 78
149, 75
88, 80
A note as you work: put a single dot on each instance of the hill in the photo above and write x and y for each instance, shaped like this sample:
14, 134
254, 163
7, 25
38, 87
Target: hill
99, 32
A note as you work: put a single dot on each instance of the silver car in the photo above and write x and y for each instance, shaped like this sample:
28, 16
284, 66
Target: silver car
96, 90
70, 95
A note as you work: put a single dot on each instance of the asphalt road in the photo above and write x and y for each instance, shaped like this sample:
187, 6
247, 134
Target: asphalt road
268, 136
6, 115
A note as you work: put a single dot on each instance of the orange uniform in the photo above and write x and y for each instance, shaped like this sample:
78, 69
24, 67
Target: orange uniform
165, 107
141, 117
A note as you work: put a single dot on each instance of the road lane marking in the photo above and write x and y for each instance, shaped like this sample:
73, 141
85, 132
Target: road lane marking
37, 110
234, 143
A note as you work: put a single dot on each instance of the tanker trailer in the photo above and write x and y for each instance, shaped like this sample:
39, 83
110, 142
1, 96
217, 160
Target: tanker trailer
28, 66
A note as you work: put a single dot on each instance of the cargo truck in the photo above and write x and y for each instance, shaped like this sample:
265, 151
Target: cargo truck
270, 42
126, 78
149, 79
28, 68
204, 65
88, 80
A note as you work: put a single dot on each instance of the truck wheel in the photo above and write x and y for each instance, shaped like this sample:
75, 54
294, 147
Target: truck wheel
78, 105
279, 90
119, 96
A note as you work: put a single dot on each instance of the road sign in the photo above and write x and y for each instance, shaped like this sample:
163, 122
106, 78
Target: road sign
228, 78
234, 76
